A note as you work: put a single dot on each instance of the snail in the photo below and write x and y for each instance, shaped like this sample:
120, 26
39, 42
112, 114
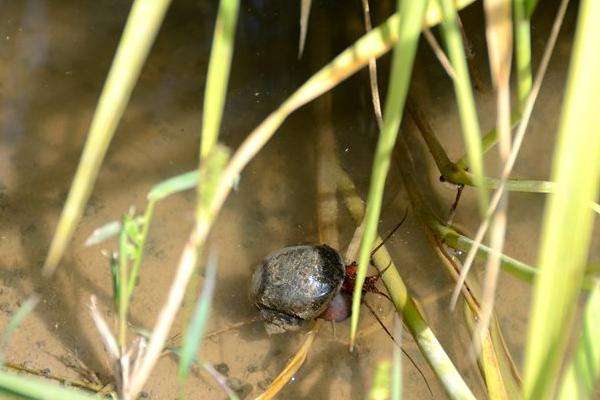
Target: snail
298, 284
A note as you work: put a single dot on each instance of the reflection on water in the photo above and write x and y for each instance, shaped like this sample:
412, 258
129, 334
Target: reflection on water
54, 58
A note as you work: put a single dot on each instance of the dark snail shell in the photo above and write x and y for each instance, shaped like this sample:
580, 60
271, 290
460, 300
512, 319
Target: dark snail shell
296, 284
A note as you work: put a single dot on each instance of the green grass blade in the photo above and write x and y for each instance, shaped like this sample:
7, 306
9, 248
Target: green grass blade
142, 227
490, 363
122, 281
584, 370
218, 73
103, 233
568, 220
465, 99
114, 274
213, 157
457, 241
197, 326
142, 26
409, 29
522, 51
158, 192
516, 268
177, 184
430, 347
488, 141
530, 7
380, 388
16, 320
509, 371
462, 177
396, 389
35, 388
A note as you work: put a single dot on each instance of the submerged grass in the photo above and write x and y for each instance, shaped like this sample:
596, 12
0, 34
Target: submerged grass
489, 362
15, 321
197, 326
522, 22
464, 96
409, 29
430, 347
396, 385
218, 74
380, 388
12, 385
291, 367
496, 358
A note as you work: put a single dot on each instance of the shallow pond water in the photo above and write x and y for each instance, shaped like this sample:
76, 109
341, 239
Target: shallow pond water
53, 60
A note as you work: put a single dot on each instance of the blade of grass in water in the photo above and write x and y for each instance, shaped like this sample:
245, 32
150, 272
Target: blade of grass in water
380, 388
141, 226
567, 221
218, 73
197, 326
215, 94
500, 367
456, 172
142, 26
177, 184
125, 265
122, 282
430, 347
291, 368
304, 14
493, 366
498, 33
490, 364
530, 7
522, 52
583, 371
103, 233
373, 69
16, 320
396, 391
488, 141
516, 268
409, 29
35, 388
465, 99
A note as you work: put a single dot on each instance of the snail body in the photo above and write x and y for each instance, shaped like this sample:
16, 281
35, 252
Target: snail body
298, 284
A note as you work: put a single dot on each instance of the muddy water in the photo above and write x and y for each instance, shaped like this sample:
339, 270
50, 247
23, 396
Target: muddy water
54, 58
